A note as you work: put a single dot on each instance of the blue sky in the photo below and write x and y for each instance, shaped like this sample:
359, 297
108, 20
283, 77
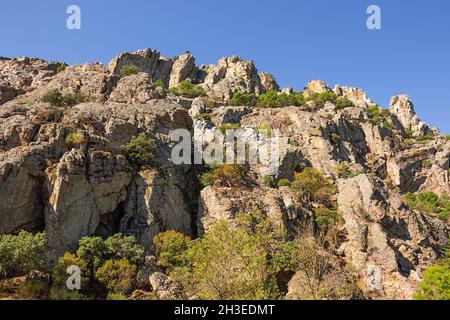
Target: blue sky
296, 40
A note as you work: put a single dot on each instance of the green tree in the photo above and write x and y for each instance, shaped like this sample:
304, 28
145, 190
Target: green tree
170, 247
120, 247
20, 254
188, 90
311, 184
118, 276
93, 251
140, 150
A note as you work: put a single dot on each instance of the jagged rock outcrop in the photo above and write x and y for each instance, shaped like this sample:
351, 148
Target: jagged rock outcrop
384, 235
136, 89
403, 109
91, 187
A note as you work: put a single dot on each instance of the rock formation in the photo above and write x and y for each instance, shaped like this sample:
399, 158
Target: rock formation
92, 187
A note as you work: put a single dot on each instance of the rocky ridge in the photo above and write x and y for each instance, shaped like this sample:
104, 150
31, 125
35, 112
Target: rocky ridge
92, 188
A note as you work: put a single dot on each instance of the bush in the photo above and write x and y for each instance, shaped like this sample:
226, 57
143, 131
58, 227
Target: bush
436, 281
273, 99
120, 247
128, 71
265, 130
74, 139
325, 218
342, 170
159, 83
313, 186
140, 150
284, 183
377, 115
227, 175
243, 99
343, 103
170, 247
57, 99
117, 276
188, 90
319, 99
112, 296
20, 254
61, 293
269, 181
228, 264
430, 203
34, 289
93, 251
59, 273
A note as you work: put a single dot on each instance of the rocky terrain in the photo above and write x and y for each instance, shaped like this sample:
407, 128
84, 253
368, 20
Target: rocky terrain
91, 187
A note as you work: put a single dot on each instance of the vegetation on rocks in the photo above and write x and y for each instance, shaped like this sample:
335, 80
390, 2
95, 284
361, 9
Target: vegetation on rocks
57, 99
188, 90
140, 150
430, 203
227, 175
129, 70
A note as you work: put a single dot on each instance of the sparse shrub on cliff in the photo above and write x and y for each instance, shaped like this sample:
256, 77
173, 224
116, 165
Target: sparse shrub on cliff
435, 284
273, 99
430, 203
312, 185
284, 183
128, 70
243, 99
170, 247
74, 139
188, 90
140, 150
377, 115
269, 181
227, 175
228, 263
343, 103
318, 100
228, 126
325, 218
20, 254
118, 276
57, 99
159, 83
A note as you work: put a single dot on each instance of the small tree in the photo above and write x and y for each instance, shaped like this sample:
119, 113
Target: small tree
188, 90
227, 175
313, 186
140, 150
117, 276
170, 247
343, 103
93, 251
20, 254
120, 247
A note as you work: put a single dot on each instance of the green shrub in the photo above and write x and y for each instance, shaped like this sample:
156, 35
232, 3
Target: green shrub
159, 83
284, 183
34, 289
342, 170
140, 150
61, 293
117, 276
343, 103
325, 218
319, 99
273, 99
74, 139
128, 71
430, 203
227, 175
269, 181
243, 99
228, 263
20, 254
170, 247
377, 115
264, 129
57, 99
435, 284
59, 273
93, 251
335, 138
188, 90
61, 68
120, 247
313, 186
447, 137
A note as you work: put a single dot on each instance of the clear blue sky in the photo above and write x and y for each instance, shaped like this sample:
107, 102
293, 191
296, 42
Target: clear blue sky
297, 40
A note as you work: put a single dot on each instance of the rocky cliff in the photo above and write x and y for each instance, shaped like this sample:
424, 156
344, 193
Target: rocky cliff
71, 190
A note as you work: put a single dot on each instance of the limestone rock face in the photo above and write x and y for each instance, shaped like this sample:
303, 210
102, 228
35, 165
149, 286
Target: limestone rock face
232, 74
156, 202
164, 287
80, 194
268, 81
183, 68
146, 60
357, 96
136, 89
21, 75
316, 86
383, 233
403, 108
